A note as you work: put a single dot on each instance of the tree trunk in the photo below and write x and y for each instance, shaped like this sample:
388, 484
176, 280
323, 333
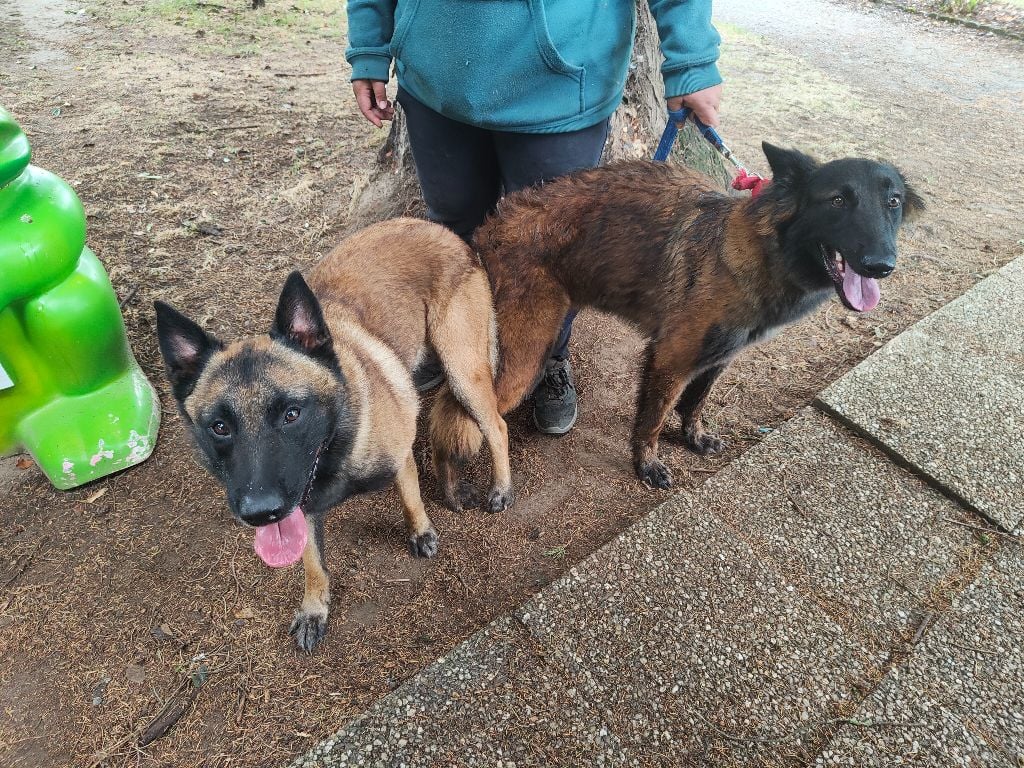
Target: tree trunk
391, 189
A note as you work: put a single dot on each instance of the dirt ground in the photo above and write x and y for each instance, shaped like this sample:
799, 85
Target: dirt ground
214, 149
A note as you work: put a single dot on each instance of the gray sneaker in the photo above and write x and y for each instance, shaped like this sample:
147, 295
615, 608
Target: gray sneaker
554, 399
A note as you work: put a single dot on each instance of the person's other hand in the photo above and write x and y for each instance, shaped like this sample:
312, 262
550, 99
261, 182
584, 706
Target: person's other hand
372, 98
703, 103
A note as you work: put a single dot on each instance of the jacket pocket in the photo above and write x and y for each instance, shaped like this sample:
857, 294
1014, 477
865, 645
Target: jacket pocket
548, 51
490, 63
405, 10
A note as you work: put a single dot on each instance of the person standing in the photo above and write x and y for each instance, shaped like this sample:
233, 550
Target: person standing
505, 94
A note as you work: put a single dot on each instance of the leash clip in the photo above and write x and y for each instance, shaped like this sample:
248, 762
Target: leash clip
677, 118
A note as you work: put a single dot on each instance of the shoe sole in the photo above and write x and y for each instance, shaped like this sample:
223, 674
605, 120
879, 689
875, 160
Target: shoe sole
426, 386
556, 430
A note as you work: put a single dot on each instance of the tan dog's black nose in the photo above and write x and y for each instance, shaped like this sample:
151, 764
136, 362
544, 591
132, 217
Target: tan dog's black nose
262, 508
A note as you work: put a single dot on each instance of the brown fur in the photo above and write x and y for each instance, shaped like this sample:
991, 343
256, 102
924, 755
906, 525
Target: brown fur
699, 273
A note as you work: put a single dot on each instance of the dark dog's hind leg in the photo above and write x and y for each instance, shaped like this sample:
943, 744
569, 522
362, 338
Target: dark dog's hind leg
689, 408
310, 623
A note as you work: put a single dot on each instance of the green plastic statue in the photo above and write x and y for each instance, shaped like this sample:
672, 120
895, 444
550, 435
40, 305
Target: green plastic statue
71, 393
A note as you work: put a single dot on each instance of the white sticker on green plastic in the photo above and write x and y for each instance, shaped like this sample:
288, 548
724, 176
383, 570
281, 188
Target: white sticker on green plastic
5, 380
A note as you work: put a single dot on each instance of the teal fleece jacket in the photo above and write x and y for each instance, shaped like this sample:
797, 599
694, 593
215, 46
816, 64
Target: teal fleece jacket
529, 66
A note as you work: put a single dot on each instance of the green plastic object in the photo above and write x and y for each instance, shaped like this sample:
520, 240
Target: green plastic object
71, 393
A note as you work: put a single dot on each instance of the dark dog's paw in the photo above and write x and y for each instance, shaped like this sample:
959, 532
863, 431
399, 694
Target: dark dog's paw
702, 443
464, 496
655, 474
424, 545
308, 628
500, 500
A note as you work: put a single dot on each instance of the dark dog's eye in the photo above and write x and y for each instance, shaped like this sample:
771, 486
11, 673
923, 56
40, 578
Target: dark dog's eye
838, 201
895, 202
291, 415
220, 429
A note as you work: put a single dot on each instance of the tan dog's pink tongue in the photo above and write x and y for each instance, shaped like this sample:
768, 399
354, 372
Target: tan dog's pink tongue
281, 544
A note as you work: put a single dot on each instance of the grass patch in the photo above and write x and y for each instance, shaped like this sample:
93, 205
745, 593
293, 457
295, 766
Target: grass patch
234, 23
960, 7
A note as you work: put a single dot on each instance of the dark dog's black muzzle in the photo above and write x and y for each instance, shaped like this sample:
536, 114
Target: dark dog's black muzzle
881, 266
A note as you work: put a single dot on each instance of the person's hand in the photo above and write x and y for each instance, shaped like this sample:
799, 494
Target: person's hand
703, 103
372, 98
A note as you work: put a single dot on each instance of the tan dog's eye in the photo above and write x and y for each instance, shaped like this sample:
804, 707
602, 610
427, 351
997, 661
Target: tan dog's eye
838, 201
220, 429
291, 415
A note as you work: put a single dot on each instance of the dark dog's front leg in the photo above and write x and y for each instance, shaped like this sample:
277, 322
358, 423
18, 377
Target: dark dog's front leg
689, 408
659, 390
310, 623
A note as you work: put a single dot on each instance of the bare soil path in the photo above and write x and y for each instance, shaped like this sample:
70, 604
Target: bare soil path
214, 149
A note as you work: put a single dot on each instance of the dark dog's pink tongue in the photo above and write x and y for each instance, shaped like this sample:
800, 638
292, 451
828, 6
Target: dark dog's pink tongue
862, 292
281, 544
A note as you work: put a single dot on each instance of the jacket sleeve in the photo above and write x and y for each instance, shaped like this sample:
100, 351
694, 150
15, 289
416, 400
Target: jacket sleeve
689, 44
370, 25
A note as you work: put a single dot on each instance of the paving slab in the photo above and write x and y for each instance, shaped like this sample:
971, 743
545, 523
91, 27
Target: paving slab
959, 700
719, 630
634, 658
864, 539
947, 396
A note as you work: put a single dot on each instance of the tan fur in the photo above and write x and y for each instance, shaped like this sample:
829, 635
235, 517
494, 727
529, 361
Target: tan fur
392, 288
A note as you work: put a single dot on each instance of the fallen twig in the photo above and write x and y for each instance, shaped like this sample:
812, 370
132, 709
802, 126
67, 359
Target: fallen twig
299, 74
128, 297
177, 705
983, 529
926, 622
22, 564
800, 732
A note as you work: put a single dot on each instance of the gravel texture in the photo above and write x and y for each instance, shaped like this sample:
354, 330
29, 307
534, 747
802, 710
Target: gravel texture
959, 701
635, 658
863, 539
948, 394
726, 628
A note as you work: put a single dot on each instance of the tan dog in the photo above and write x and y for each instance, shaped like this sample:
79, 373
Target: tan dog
324, 407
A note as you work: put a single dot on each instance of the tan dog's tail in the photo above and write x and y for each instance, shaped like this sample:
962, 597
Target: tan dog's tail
530, 306
455, 438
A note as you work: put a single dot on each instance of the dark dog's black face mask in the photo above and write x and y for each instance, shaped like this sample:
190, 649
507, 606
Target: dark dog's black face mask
263, 411
846, 214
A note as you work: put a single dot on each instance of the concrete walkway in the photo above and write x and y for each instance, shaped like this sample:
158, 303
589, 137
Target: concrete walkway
819, 601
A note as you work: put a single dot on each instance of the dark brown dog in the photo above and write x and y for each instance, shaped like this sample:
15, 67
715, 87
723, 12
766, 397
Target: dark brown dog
701, 274
322, 408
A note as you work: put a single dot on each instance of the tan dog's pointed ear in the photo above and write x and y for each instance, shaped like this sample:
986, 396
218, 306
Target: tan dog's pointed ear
299, 322
299, 319
185, 348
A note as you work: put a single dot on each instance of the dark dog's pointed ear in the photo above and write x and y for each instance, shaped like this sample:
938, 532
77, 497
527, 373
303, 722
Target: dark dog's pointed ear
299, 321
913, 203
788, 164
185, 347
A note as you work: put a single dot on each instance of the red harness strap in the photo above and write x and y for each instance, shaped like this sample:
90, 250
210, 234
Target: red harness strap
746, 180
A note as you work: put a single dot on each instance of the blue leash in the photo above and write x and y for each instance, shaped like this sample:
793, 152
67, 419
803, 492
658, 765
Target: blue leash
679, 117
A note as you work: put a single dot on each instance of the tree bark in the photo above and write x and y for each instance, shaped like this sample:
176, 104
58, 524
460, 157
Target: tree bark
391, 189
